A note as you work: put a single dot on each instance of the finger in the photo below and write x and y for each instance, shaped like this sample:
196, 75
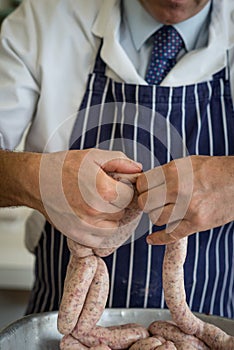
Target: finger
92, 233
119, 163
161, 216
170, 214
171, 234
102, 227
150, 179
155, 198
116, 193
125, 178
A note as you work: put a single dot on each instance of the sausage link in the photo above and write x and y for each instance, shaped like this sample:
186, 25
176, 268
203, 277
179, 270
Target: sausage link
78, 250
124, 326
127, 226
150, 343
215, 337
102, 252
95, 301
70, 343
78, 279
121, 338
100, 347
172, 332
173, 282
168, 345
185, 346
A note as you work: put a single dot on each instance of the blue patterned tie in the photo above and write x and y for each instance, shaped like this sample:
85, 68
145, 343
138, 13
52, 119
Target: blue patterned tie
166, 46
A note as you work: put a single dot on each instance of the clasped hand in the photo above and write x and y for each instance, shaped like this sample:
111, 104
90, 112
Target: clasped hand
95, 209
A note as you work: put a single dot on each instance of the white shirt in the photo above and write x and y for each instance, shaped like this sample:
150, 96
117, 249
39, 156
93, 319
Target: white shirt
138, 26
49, 47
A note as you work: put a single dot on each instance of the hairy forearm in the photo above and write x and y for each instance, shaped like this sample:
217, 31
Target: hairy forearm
19, 179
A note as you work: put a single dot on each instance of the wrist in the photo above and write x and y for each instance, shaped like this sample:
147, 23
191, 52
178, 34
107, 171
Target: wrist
19, 176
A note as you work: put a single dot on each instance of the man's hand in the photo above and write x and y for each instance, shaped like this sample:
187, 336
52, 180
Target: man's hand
188, 195
72, 190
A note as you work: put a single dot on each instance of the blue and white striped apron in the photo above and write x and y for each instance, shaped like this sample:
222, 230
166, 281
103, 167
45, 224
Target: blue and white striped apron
146, 122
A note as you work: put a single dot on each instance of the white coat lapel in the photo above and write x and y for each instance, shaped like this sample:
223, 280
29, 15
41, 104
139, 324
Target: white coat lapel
107, 26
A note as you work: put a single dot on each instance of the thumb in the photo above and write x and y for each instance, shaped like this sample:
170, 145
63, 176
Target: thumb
118, 190
125, 171
121, 165
173, 232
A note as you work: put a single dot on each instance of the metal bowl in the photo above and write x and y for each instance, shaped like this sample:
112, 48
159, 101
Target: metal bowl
39, 331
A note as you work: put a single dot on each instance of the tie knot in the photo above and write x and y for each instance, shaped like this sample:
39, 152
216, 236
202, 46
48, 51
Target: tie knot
167, 42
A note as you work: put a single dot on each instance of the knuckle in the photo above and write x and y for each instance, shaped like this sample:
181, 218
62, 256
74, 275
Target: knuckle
119, 154
91, 211
142, 202
139, 183
160, 221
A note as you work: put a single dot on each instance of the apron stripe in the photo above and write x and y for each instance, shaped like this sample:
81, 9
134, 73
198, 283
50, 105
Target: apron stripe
206, 267
114, 256
147, 283
195, 270
132, 241
112, 285
102, 111
41, 273
152, 123
52, 269
217, 277
46, 269
60, 262
87, 110
223, 118
183, 132
169, 126
230, 303
114, 126
135, 157
210, 123
130, 271
198, 119
123, 106
38, 287
226, 264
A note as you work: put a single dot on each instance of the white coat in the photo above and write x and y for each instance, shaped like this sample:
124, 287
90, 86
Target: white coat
48, 49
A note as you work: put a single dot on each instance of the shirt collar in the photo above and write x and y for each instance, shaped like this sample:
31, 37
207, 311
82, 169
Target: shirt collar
136, 14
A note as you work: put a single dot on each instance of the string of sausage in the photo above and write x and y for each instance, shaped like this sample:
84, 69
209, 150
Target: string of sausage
173, 277
86, 290
85, 294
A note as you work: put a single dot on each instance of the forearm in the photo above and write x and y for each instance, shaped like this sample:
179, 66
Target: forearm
19, 179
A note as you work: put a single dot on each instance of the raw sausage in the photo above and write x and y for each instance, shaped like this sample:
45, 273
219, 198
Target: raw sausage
120, 338
85, 294
95, 301
101, 347
150, 343
173, 333
173, 281
79, 276
70, 343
